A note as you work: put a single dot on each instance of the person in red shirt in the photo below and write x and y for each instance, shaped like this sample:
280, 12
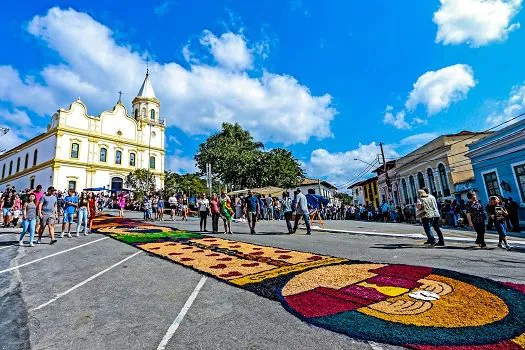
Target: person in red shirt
215, 213
92, 204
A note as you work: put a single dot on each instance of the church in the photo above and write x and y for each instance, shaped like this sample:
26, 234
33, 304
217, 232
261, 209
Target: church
81, 151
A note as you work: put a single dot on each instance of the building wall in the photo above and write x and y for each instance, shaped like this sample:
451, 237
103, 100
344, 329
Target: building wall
44, 145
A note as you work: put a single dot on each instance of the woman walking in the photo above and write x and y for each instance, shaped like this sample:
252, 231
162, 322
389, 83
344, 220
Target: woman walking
29, 223
215, 213
121, 204
287, 211
92, 206
185, 207
498, 214
83, 213
429, 215
226, 213
476, 218
161, 209
155, 206
204, 205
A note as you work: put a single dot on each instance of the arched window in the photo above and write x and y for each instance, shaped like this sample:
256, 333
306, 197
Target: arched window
26, 161
118, 157
413, 188
35, 157
103, 154
18, 165
132, 159
420, 180
405, 191
10, 167
74, 150
431, 182
444, 180
143, 112
152, 114
3, 171
152, 162
136, 112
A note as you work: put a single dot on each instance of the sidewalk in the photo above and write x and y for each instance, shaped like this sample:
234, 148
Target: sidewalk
412, 231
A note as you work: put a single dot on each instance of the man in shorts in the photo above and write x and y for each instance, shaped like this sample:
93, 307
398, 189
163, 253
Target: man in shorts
252, 208
71, 204
47, 212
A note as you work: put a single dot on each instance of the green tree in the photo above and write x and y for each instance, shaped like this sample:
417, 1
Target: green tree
240, 161
139, 180
280, 168
344, 197
187, 183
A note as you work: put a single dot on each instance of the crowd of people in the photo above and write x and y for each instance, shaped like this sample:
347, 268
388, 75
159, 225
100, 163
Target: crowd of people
35, 210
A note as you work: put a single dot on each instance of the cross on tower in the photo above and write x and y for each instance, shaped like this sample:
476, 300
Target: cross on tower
147, 66
120, 96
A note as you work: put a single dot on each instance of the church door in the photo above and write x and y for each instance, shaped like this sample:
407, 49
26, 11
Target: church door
116, 184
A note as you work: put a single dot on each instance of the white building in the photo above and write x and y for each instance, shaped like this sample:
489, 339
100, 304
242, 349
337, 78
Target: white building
80, 151
324, 188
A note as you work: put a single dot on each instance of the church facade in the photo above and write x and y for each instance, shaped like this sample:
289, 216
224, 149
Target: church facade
81, 151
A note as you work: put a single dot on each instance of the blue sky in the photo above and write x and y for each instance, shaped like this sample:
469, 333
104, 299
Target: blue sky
328, 82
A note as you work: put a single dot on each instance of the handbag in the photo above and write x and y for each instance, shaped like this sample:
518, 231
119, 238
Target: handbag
420, 213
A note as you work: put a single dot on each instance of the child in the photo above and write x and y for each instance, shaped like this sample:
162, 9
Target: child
147, 209
16, 215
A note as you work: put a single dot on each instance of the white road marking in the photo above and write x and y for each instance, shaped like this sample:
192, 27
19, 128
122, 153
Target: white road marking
52, 255
181, 315
7, 246
58, 296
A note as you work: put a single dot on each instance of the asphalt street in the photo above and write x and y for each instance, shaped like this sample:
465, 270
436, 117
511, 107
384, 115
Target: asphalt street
97, 293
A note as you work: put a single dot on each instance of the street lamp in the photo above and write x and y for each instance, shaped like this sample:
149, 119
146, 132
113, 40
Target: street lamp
371, 164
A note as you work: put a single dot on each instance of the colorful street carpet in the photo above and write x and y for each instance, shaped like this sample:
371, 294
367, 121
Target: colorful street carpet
416, 307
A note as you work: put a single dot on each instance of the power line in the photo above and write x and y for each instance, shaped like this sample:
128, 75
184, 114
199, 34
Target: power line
365, 171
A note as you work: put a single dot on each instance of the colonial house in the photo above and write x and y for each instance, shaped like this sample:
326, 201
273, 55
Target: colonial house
322, 187
438, 165
498, 163
384, 194
79, 150
365, 192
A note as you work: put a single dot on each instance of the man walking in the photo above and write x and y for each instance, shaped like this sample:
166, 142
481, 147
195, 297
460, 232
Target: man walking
47, 211
252, 208
71, 204
301, 210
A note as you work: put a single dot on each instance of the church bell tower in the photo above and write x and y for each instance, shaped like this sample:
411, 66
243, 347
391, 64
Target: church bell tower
146, 106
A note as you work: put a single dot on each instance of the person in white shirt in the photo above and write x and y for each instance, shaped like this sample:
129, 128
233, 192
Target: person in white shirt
301, 210
204, 204
172, 201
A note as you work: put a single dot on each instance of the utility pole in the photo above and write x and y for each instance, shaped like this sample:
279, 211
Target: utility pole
387, 178
208, 177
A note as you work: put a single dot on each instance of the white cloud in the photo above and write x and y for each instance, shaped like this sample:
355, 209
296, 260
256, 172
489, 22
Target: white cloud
475, 22
397, 120
10, 140
173, 139
180, 164
163, 8
509, 108
274, 107
437, 90
340, 168
17, 117
229, 50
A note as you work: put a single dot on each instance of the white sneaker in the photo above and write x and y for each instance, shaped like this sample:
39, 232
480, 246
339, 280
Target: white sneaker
62, 235
69, 235
31, 244
85, 233
21, 243
78, 235
509, 247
